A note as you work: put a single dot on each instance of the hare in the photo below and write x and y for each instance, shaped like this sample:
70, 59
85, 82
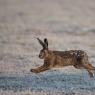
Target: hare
76, 58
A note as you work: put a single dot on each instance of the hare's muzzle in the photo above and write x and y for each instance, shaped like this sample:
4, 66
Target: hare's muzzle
40, 56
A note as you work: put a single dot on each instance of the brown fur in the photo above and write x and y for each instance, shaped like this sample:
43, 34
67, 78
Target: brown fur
76, 58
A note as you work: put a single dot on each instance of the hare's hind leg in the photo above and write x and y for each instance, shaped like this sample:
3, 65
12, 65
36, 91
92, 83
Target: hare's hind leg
89, 68
90, 73
39, 69
86, 65
92, 67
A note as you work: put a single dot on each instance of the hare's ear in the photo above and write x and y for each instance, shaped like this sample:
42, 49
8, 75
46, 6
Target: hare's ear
41, 42
46, 43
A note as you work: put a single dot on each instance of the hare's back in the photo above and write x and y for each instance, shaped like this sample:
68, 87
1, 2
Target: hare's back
71, 53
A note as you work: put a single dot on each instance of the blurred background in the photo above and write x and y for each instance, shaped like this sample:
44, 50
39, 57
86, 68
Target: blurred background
67, 24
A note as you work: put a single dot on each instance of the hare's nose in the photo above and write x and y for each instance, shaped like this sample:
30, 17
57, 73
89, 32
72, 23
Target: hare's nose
39, 55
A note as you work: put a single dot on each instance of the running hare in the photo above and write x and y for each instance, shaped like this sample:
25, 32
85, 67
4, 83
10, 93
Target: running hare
76, 58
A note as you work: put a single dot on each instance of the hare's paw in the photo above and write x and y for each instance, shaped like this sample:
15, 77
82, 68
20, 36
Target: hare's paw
91, 74
34, 70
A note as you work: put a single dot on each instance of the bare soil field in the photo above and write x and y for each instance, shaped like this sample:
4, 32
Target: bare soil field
68, 24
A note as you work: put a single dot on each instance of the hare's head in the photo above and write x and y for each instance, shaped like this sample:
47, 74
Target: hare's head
44, 51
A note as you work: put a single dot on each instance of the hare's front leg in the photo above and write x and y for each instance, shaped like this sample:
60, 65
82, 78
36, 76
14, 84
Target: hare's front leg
39, 69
